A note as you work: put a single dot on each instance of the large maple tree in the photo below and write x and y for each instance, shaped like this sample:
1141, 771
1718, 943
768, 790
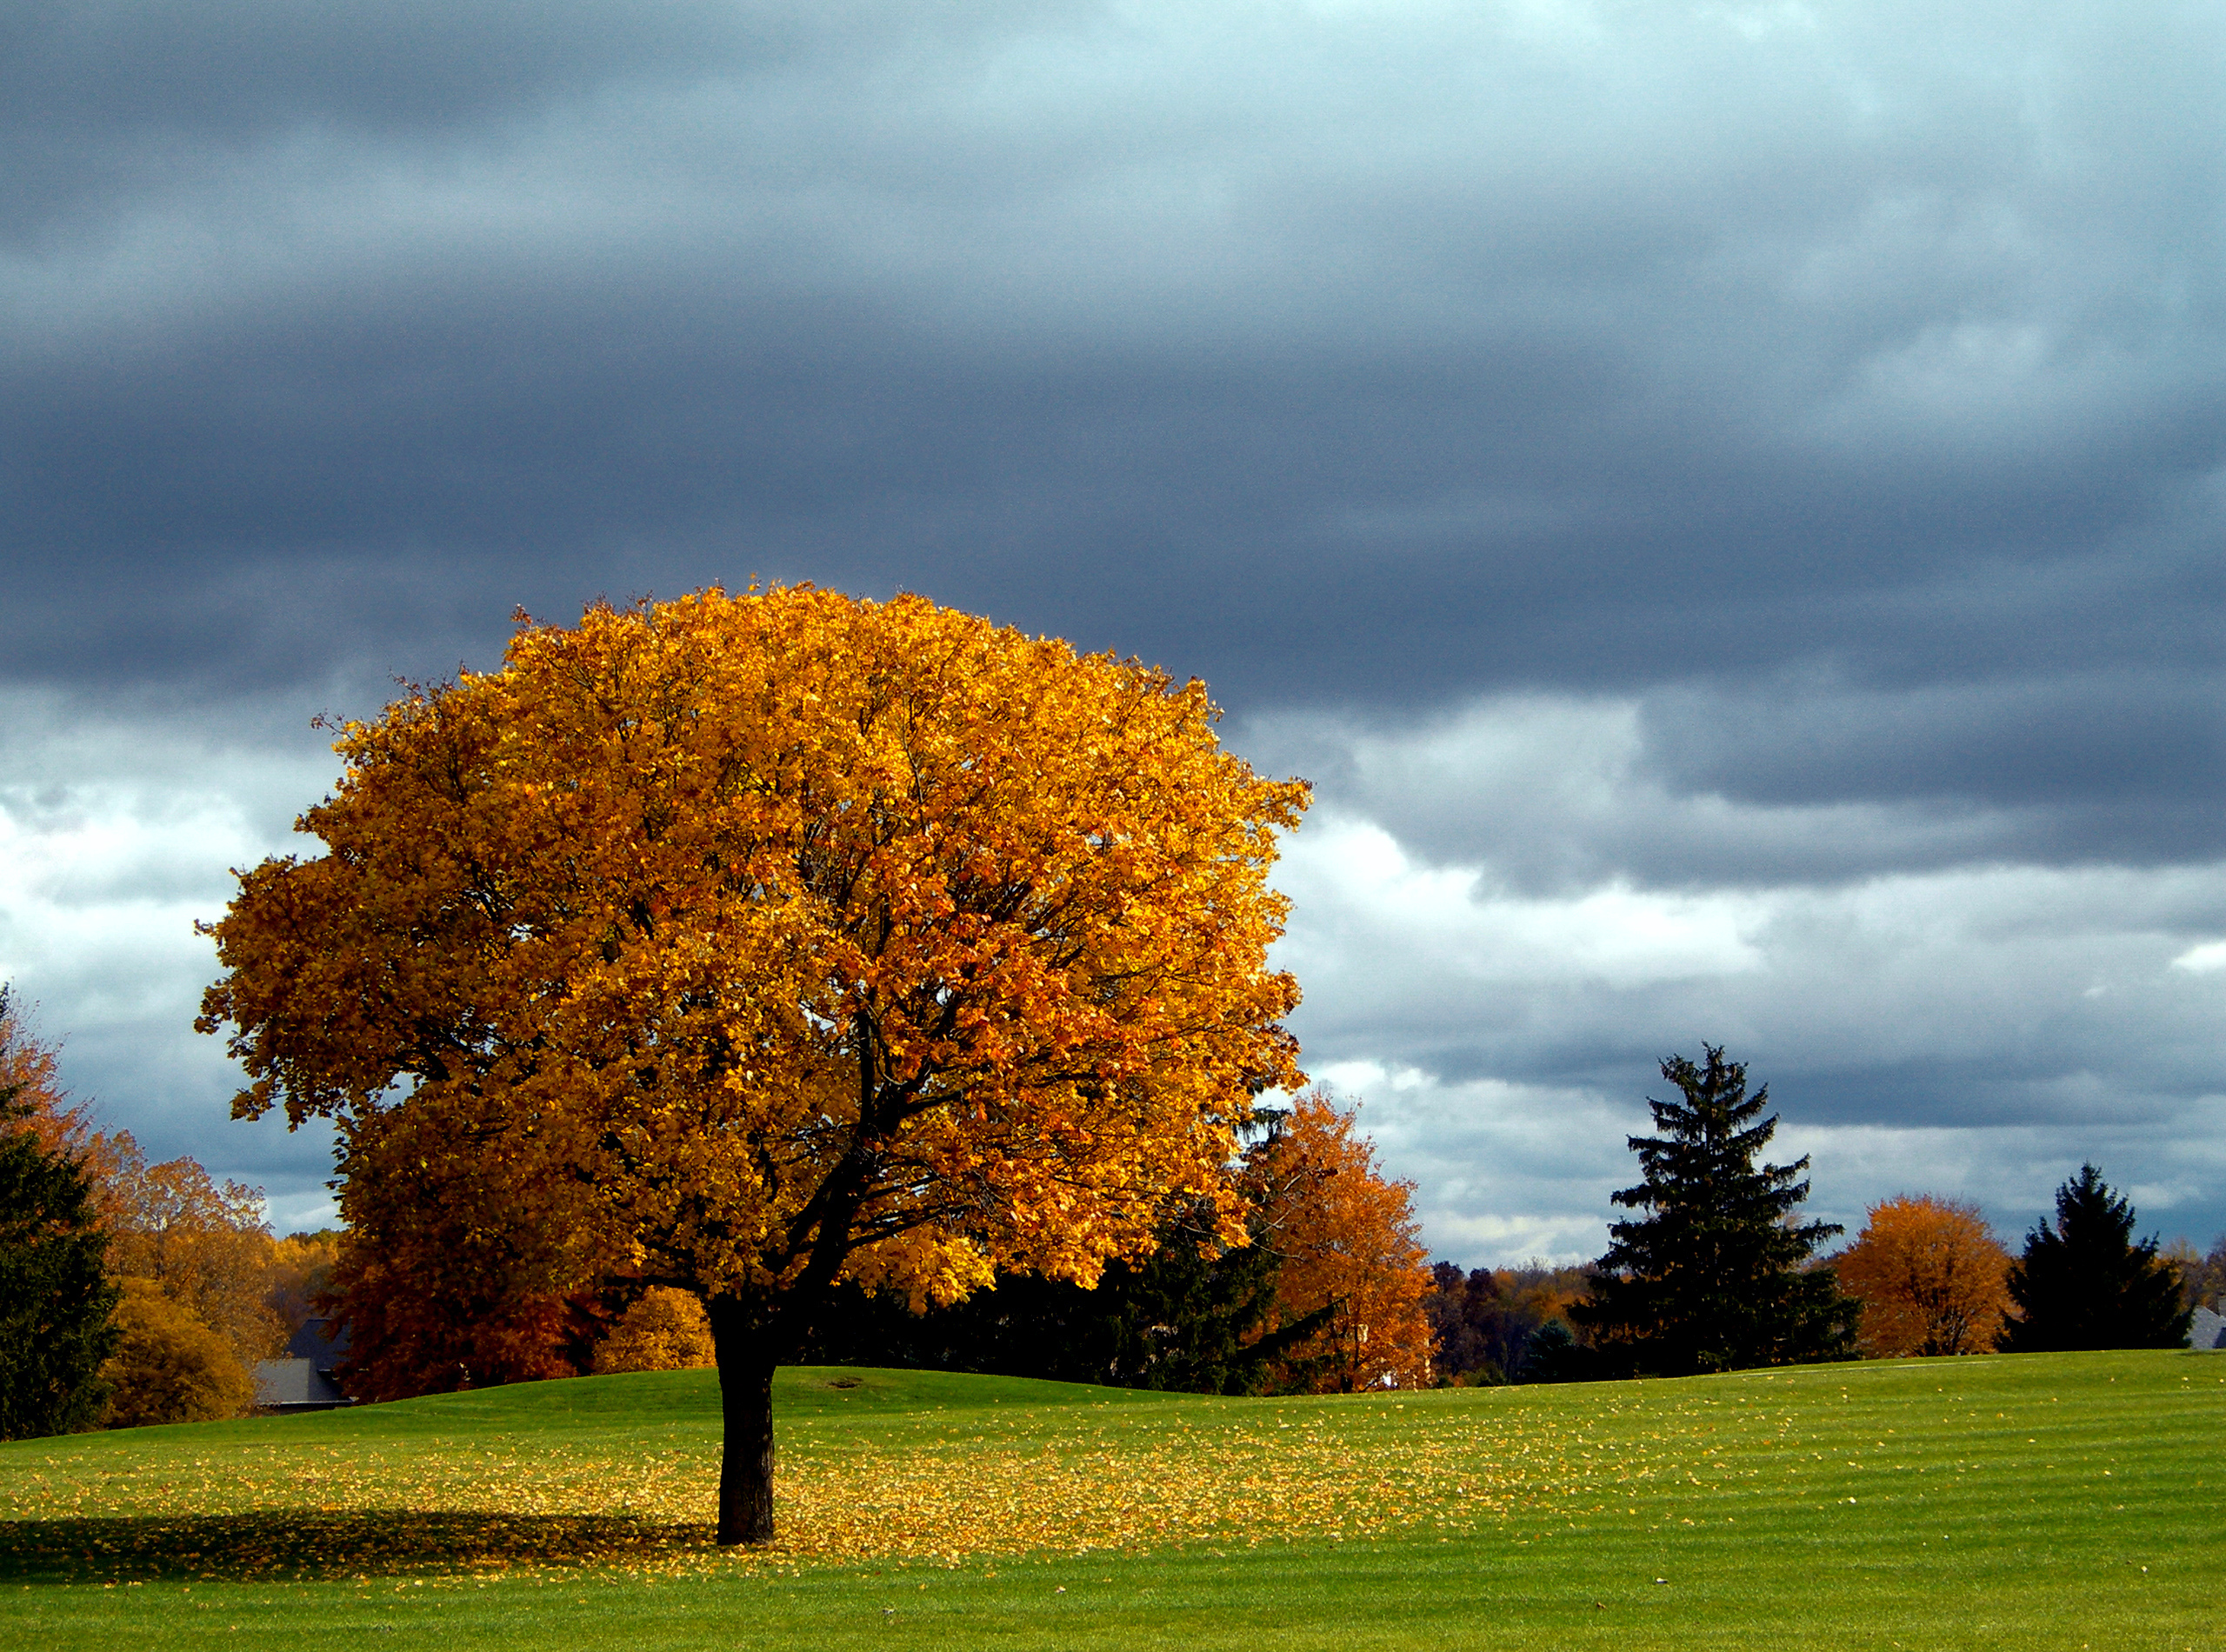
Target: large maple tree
750, 943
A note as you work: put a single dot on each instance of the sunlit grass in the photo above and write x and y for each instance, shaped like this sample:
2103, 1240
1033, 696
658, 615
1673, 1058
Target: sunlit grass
1978, 1501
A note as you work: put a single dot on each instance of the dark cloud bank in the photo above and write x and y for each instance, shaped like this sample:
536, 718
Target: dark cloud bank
1763, 458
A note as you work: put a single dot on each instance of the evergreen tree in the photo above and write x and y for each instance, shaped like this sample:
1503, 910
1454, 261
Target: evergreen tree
1712, 1277
2085, 1283
56, 1301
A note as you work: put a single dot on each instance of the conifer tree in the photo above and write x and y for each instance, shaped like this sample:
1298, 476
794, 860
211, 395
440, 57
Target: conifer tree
1713, 1276
56, 1300
2085, 1283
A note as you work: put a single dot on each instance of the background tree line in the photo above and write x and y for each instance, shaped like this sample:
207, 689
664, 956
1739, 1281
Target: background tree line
1326, 1294
162, 1288
171, 1288
1718, 1273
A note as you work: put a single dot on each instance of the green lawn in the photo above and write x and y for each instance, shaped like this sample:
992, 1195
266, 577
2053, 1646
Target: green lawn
2051, 1501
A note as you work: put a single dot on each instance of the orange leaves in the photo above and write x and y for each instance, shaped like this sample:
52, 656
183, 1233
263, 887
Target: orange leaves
202, 1245
1349, 1239
1931, 1275
719, 938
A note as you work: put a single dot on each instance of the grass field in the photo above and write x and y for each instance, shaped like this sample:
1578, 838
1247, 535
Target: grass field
2073, 1500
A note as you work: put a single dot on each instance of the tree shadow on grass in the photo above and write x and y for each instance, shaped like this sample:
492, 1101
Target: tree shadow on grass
291, 1545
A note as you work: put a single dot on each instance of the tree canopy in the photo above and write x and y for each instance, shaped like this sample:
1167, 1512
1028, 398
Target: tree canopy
203, 1244
2086, 1283
1487, 1322
1931, 1278
748, 945
1347, 1239
171, 1366
1714, 1275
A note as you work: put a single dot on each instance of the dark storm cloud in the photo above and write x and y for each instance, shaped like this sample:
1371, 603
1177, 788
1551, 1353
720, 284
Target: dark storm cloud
2120, 753
112, 98
1743, 485
1388, 358
1381, 531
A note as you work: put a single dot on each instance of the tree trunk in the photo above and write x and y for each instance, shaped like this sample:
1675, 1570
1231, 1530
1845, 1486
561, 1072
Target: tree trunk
745, 1357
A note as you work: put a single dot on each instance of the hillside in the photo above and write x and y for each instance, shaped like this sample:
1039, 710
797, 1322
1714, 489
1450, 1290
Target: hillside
1982, 1502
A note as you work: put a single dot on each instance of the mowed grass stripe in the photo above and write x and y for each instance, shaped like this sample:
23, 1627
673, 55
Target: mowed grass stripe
1980, 1501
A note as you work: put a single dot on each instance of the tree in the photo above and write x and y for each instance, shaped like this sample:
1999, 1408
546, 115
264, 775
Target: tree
2085, 1283
301, 1276
31, 1078
1487, 1322
203, 1246
56, 1301
1931, 1278
750, 944
170, 1367
31, 1073
2202, 1275
665, 1330
1714, 1277
1347, 1236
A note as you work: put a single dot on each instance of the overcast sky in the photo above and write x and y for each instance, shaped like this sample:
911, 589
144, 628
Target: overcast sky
1724, 500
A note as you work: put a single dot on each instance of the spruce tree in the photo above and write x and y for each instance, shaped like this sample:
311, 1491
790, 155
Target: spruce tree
56, 1301
2085, 1283
1713, 1276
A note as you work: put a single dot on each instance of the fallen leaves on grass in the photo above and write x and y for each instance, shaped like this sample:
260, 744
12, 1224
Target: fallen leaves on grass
1069, 1481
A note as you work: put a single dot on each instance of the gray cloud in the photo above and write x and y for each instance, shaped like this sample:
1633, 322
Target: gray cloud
1744, 468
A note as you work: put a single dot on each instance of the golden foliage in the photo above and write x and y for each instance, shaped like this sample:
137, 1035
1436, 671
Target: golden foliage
1348, 1236
665, 1331
170, 1367
203, 1246
300, 1276
1931, 1278
735, 942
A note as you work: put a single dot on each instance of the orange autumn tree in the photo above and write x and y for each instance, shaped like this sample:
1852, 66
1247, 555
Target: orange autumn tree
1349, 1242
201, 1244
665, 1331
744, 945
1931, 1278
